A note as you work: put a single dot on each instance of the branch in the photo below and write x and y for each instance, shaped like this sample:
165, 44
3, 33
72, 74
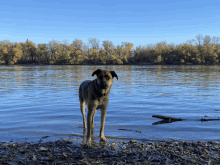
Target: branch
168, 118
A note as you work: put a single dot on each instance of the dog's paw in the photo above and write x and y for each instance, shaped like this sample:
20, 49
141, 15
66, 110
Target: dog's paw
103, 138
88, 144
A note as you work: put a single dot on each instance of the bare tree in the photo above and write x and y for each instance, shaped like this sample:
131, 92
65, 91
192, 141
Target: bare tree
215, 40
52, 46
206, 40
108, 46
94, 43
77, 44
199, 40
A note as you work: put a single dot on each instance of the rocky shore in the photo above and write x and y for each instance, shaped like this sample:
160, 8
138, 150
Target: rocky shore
64, 151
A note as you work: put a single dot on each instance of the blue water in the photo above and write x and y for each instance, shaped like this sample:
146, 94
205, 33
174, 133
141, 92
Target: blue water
37, 101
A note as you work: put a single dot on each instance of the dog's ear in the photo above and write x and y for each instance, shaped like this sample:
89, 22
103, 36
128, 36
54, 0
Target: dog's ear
114, 74
96, 72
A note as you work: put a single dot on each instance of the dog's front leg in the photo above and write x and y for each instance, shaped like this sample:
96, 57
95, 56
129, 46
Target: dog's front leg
103, 115
91, 111
93, 126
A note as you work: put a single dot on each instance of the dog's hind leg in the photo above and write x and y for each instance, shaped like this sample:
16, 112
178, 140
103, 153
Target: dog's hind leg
82, 107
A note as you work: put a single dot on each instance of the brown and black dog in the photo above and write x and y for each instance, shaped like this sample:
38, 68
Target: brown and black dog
95, 94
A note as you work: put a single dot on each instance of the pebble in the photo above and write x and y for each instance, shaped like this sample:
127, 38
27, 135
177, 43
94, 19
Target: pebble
132, 152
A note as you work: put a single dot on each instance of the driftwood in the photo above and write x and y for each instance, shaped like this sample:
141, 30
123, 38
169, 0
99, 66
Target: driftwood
130, 130
203, 119
167, 119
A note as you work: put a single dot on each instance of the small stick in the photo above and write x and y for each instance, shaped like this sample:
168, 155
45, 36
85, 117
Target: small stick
168, 118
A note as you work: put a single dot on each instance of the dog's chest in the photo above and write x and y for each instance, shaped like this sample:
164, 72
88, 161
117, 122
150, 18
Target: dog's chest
100, 97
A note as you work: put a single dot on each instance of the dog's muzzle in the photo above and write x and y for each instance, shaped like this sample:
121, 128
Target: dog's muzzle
103, 85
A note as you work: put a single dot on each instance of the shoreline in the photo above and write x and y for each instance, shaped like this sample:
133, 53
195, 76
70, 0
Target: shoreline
139, 64
110, 152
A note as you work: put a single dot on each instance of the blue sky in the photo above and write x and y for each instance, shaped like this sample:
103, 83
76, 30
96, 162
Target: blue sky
139, 22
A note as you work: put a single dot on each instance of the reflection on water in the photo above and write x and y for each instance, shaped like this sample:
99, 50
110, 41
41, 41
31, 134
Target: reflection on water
42, 100
188, 76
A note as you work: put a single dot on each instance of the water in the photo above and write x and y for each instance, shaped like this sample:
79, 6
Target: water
37, 101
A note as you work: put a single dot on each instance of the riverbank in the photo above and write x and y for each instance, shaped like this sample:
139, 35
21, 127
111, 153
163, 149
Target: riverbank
121, 152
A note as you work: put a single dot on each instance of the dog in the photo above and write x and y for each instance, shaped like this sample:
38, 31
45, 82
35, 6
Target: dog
94, 94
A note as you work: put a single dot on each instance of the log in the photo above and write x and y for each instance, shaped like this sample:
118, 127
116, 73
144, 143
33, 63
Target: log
168, 118
172, 119
203, 119
130, 130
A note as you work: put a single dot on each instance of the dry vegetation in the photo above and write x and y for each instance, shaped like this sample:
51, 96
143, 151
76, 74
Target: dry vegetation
201, 50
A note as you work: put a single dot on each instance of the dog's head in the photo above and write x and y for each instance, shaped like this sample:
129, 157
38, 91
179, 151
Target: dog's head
104, 78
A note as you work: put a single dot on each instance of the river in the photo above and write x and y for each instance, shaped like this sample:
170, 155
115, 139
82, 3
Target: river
42, 100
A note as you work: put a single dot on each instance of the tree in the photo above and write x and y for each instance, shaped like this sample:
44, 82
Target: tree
29, 51
128, 49
188, 54
77, 44
119, 52
201, 50
53, 48
1, 53
206, 40
158, 52
6, 52
94, 43
43, 55
208, 54
62, 56
199, 40
102, 56
145, 53
10, 53
215, 40
73, 57
16, 53
109, 48
93, 56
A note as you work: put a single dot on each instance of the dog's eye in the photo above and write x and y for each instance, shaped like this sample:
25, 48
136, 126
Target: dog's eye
107, 78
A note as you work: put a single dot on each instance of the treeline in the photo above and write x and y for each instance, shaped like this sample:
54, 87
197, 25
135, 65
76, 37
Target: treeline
201, 50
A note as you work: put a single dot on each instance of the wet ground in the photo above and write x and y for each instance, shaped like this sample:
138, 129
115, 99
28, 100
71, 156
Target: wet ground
111, 152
